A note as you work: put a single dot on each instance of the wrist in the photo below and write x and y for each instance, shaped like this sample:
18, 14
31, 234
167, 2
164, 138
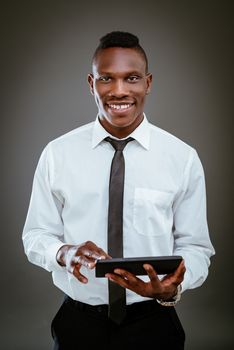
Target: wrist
165, 296
61, 254
173, 300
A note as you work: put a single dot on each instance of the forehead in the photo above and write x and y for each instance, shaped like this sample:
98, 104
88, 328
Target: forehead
118, 59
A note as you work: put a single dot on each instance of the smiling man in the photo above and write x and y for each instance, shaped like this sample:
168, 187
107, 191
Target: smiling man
120, 82
117, 187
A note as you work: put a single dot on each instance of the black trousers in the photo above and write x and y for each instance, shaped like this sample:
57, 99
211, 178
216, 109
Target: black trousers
146, 324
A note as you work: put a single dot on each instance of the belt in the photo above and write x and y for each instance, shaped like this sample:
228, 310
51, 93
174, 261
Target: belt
142, 307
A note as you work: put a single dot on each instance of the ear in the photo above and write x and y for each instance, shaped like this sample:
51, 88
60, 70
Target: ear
148, 83
90, 82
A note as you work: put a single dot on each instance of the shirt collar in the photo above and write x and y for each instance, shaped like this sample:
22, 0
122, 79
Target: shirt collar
141, 134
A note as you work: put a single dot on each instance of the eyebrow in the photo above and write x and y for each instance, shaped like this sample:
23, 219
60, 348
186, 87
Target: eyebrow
124, 73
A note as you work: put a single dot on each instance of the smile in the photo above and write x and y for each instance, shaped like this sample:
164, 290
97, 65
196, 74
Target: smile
120, 107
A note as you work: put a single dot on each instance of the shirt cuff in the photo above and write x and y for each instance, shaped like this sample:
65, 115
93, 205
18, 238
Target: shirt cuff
186, 282
51, 253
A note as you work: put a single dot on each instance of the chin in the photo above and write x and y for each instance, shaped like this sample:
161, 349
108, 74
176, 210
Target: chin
122, 122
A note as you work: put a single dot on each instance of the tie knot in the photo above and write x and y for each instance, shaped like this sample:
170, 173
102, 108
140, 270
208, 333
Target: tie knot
118, 144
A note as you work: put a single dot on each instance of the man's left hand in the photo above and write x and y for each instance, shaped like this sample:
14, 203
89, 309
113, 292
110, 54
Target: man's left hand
163, 289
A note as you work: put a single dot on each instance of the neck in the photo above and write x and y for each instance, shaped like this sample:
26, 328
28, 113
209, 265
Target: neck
120, 131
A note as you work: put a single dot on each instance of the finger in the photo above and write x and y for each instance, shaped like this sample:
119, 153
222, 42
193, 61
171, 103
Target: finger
117, 279
103, 254
177, 277
78, 275
91, 254
85, 261
151, 272
108, 256
180, 271
91, 249
75, 270
126, 275
125, 279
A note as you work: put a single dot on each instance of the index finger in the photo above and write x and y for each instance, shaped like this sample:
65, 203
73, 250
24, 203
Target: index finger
94, 254
91, 250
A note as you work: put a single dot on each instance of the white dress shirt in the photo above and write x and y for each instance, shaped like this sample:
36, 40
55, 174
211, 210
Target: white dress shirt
164, 205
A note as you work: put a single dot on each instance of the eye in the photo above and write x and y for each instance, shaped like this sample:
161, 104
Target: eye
133, 78
104, 79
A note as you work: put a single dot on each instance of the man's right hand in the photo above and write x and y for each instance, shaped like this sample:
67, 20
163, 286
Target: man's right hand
75, 256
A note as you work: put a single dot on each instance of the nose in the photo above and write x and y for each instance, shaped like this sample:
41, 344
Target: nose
119, 89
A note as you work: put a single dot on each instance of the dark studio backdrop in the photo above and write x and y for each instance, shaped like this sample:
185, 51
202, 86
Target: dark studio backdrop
46, 50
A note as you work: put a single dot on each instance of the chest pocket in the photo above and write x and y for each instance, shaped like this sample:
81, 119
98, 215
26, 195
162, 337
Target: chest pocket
152, 212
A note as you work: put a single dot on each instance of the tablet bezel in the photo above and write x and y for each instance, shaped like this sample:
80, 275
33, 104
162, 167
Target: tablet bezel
163, 265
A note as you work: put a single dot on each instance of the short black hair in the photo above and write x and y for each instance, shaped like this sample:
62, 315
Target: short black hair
121, 39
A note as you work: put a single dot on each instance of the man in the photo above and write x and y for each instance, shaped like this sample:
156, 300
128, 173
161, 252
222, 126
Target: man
164, 212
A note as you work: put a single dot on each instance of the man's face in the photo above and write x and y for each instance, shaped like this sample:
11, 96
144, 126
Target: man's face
119, 84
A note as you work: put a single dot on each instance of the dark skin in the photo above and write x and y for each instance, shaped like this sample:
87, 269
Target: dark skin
119, 79
120, 83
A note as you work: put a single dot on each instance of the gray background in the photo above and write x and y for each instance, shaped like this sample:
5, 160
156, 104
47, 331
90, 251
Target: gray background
46, 53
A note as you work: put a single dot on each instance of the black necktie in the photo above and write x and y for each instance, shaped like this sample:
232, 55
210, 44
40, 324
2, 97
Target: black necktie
117, 294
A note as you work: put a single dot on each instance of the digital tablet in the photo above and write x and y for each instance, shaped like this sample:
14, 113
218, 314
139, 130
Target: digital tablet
161, 264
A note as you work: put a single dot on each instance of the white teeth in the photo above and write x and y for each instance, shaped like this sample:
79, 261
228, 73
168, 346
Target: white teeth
120, 106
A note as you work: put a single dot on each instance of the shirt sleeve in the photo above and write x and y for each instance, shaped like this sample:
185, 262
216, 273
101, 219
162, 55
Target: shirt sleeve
43, 229
191, 234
